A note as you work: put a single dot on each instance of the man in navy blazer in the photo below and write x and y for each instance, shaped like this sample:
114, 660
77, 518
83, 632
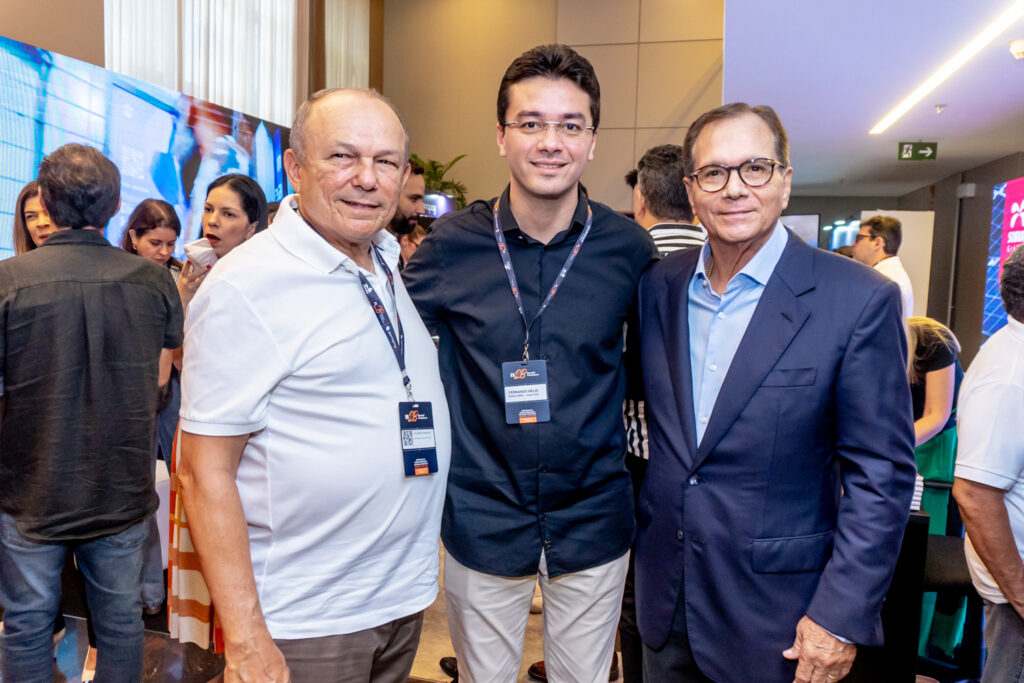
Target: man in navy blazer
781, 433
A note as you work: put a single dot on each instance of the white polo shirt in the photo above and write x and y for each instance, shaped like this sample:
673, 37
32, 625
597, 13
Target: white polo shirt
990, 446
892, 268
282, 344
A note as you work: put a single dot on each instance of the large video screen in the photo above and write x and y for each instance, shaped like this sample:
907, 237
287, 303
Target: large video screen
1007, 233
167, 145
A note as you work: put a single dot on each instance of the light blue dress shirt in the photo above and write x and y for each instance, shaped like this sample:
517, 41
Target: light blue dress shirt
718, 323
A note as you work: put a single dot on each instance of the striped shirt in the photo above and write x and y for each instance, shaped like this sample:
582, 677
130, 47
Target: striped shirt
668, 237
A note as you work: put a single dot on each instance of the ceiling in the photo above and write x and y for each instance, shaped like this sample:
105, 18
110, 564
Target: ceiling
832, 70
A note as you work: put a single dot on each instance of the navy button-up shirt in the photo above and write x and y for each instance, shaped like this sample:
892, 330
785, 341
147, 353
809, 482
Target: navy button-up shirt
559, 486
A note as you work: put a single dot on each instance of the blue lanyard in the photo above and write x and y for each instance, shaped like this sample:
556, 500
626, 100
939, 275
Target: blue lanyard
499, 237
396, 336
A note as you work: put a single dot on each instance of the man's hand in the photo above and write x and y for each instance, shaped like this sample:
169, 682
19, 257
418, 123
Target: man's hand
823, 658
256, 660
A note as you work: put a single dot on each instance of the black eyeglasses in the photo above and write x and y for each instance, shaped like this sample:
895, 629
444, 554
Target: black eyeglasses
753, 173
861, 236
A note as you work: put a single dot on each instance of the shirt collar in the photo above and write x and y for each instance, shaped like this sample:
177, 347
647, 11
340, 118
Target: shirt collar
81, 236
762, 265
579, 217
301, 240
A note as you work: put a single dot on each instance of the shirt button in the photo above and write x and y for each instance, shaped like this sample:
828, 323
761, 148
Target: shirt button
721, 316
713, 367
680, 535
547, 544
704, 420
693, 482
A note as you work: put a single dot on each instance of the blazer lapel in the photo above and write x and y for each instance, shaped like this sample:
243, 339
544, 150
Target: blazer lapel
673, 312
778, 317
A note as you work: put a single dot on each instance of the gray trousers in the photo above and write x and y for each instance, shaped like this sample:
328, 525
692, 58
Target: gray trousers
1004, 640
383, 654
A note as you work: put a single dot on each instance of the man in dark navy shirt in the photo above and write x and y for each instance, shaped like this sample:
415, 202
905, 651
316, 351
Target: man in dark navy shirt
528, 293
82, 326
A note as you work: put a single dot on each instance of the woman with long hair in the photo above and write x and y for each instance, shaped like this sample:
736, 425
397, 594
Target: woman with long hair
152, 231
32, 223
235, 209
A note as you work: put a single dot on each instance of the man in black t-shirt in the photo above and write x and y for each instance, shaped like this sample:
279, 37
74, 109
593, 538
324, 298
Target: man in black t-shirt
82, 326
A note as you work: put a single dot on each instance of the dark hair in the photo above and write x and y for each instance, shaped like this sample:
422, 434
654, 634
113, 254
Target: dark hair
149, 215
1011, 284
889, 229
22, 237
297, 136
254, 202
660, 178
631, 178
417, 169
80, 187
552, 61
845, 250
732, 111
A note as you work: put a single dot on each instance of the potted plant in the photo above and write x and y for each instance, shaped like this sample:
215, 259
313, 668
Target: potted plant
434, 178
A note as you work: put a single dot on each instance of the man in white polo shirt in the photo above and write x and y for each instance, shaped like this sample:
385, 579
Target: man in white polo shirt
316, 438
989, 484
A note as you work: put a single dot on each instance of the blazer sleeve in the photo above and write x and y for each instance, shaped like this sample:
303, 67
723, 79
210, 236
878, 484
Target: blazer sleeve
875, 446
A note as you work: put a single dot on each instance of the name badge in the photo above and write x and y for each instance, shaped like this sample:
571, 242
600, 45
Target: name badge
526, 392
419, 450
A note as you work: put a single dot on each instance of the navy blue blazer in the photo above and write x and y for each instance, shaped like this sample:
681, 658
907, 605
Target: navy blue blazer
796, 500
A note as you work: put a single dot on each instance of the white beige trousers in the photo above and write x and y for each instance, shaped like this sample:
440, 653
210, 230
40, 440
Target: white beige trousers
487, 619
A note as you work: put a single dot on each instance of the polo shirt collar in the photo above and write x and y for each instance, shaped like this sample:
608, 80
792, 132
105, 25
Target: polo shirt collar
579, 217
80, 236
305, 243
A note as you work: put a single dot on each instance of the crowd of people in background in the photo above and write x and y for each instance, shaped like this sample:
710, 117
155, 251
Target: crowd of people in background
690, 429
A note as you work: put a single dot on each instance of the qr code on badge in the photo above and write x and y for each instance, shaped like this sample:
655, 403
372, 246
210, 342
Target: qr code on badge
407, 438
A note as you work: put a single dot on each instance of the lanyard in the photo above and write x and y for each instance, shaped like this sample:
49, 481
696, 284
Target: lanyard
499, 237
397, 341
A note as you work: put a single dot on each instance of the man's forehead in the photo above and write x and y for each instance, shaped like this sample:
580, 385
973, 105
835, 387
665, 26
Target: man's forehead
745, 136
351, 114
415, 184
548, 96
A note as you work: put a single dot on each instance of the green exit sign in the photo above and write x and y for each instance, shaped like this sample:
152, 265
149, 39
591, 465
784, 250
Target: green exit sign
917, 151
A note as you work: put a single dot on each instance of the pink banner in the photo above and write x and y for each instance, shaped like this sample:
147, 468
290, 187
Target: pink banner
1013, 220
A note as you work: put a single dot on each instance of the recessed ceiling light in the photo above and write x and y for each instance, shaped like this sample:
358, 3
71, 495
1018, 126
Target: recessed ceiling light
1000, 24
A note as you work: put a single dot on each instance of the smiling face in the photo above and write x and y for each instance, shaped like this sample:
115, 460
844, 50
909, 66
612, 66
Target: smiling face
37, 220
546, 165
156, 244
738, 216
225, 223
354, 168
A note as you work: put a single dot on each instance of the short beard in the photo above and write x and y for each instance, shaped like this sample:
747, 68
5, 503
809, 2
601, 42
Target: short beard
402, 225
